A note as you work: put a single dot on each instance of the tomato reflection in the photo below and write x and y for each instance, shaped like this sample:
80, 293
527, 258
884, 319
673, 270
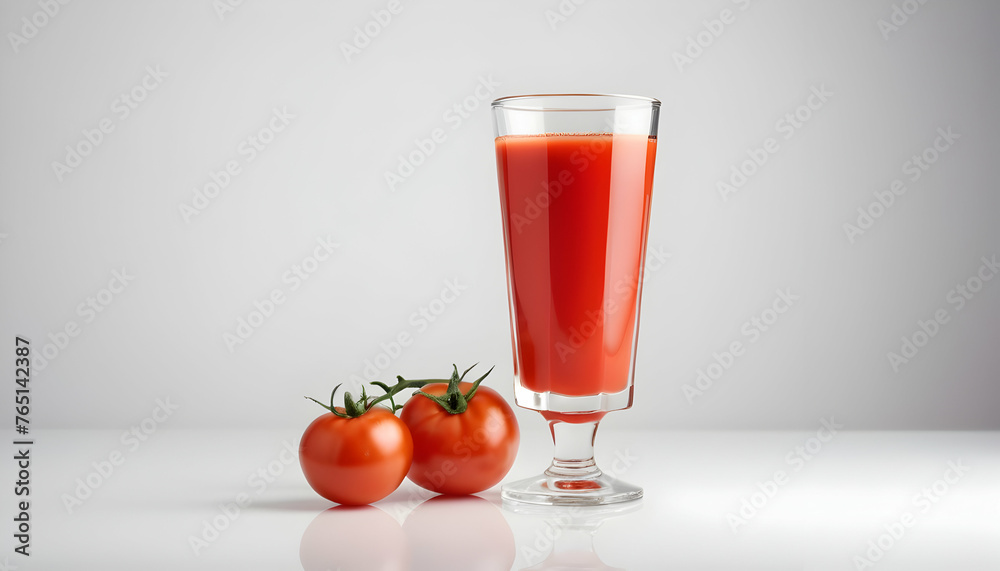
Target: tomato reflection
354, 537
459, 532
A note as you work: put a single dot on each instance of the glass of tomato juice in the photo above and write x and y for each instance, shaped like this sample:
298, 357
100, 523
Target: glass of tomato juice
576, 175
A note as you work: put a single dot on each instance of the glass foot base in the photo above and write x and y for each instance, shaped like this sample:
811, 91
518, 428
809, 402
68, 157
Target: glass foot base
554, 490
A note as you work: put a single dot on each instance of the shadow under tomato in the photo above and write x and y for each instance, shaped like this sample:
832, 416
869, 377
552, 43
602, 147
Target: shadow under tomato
299, 505
354, 537
459, 532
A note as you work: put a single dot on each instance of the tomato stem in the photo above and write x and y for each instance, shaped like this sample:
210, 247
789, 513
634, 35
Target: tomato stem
331, 406
452, 401
354, 408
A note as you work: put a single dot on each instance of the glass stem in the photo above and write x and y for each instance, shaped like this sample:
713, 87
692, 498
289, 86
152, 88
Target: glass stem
574, 450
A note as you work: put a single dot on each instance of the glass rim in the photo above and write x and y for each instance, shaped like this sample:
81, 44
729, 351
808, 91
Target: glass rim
510, 101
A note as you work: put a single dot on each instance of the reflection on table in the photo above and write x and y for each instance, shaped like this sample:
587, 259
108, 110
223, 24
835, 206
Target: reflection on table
444, 532
565, 540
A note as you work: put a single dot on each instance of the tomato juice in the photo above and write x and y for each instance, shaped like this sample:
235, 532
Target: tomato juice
576, 210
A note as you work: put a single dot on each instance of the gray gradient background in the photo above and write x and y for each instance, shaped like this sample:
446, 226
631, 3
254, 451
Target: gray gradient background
324, 176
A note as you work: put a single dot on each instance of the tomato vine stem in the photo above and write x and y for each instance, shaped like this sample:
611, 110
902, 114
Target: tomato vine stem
452, 401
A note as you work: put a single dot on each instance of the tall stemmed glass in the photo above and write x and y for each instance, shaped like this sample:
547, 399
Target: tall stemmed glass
576, 176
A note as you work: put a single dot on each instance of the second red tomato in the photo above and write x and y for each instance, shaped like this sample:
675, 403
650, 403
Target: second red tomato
461, 453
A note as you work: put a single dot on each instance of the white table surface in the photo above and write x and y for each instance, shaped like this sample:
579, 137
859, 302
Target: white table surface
170, 487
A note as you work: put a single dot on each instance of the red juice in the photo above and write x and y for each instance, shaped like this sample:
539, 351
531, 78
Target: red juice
576, 210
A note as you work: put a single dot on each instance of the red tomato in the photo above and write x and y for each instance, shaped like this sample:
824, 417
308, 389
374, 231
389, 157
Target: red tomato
356, 461
461, 453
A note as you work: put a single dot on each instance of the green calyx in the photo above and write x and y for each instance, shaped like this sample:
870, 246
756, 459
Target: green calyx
352, 408
453, 400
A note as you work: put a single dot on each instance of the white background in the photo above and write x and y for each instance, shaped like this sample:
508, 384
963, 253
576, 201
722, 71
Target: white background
324, 176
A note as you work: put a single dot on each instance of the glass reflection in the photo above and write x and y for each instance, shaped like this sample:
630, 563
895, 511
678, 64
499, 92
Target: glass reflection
563, 536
